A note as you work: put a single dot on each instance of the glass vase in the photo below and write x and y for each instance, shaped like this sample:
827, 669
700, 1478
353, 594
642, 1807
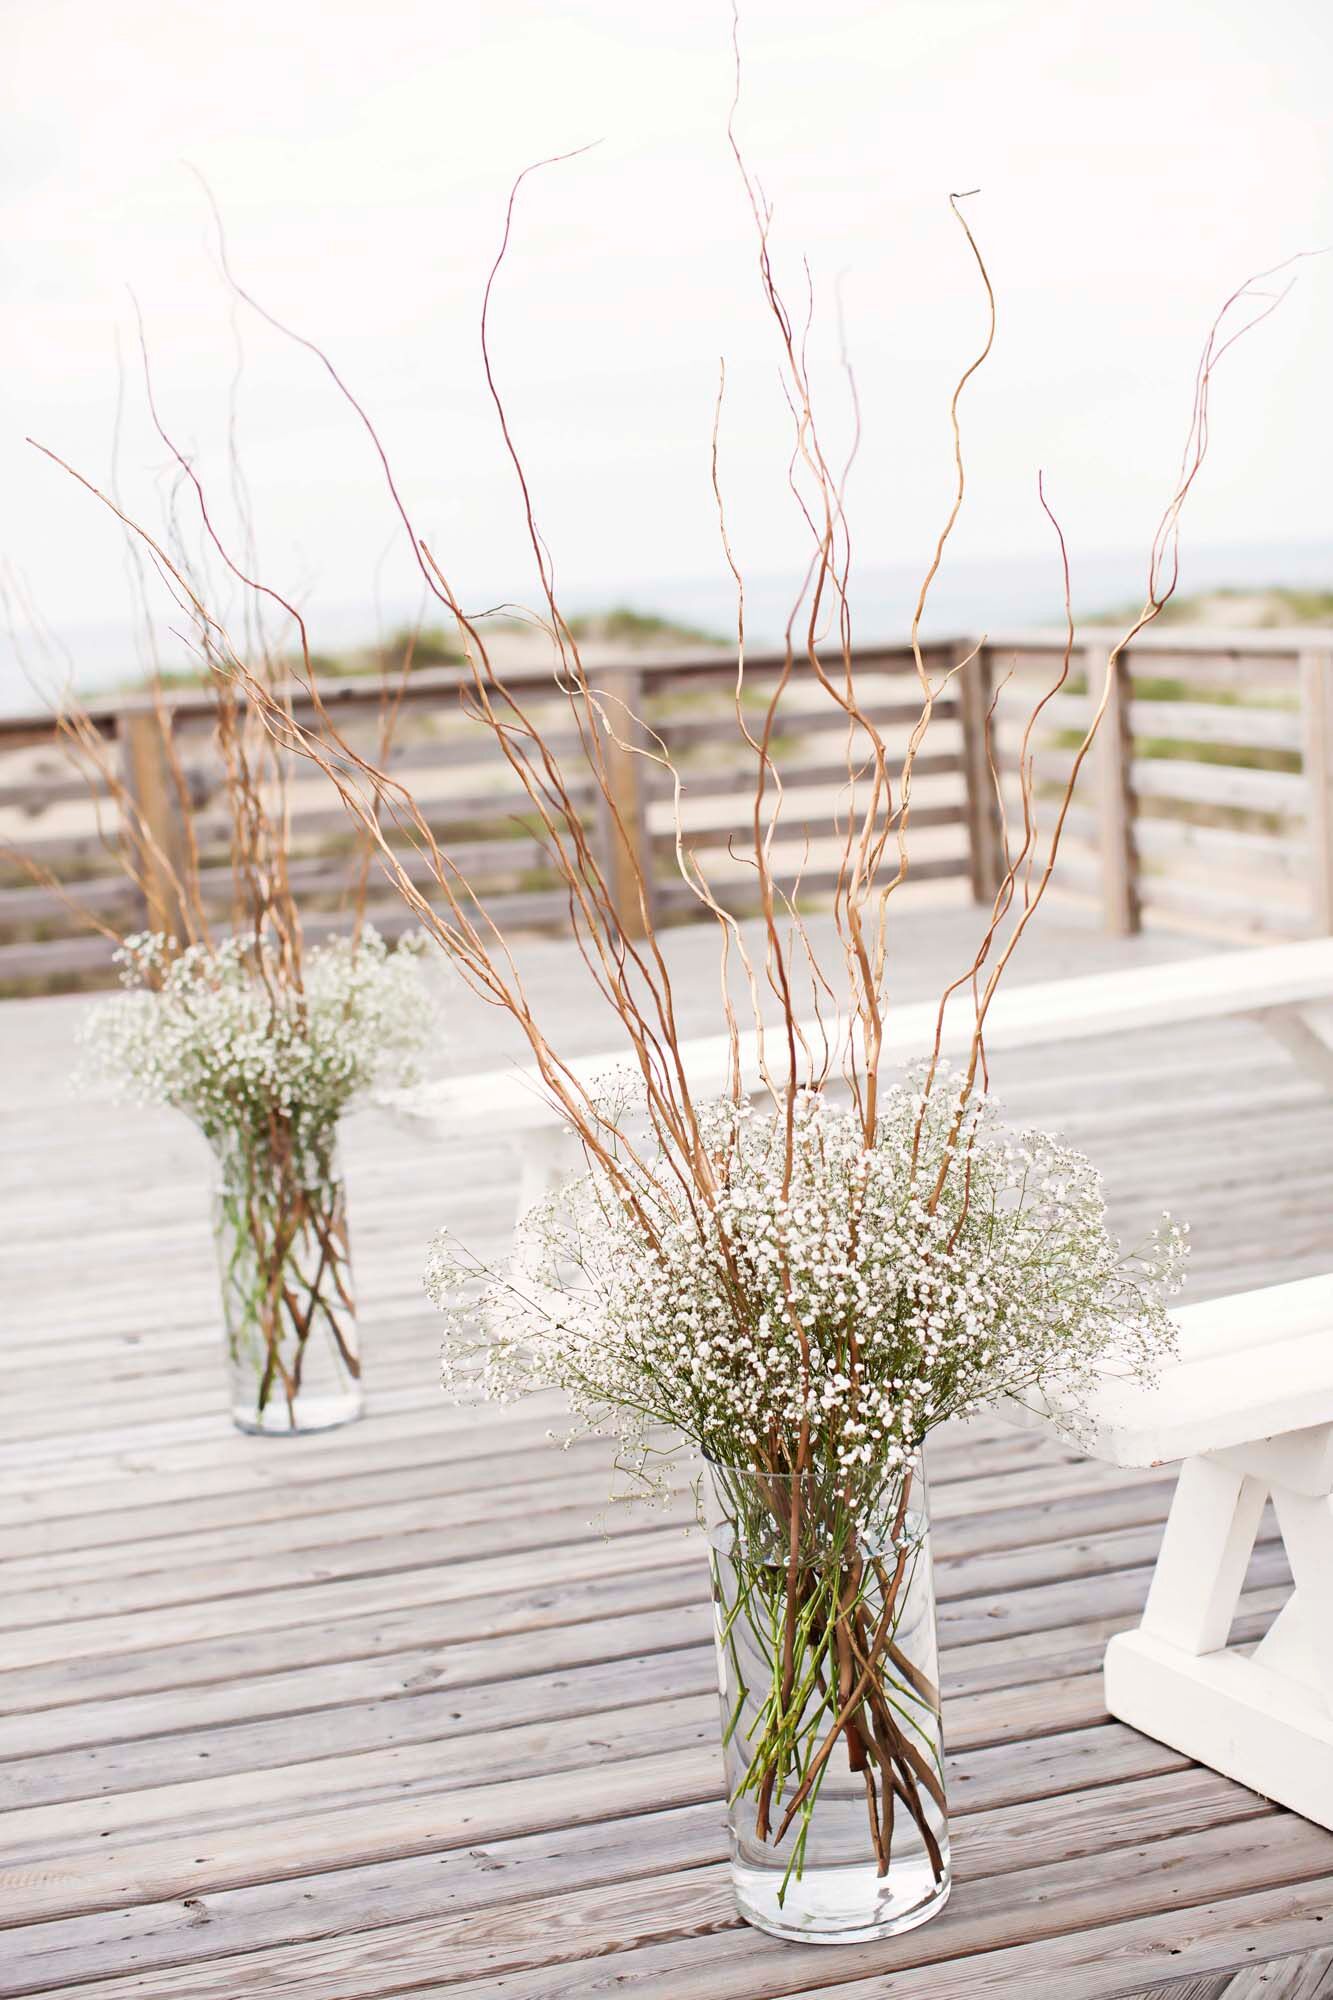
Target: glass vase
824, 1613
287, 1303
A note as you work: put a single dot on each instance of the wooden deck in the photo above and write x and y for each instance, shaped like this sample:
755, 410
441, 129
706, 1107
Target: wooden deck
397, 1711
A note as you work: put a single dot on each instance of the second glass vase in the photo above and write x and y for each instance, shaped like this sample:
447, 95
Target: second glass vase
287, 1303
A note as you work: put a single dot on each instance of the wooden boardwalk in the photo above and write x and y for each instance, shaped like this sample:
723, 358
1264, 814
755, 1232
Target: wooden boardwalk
405, 1710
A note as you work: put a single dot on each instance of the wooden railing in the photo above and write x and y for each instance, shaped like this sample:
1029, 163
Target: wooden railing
473, 803
1208, 802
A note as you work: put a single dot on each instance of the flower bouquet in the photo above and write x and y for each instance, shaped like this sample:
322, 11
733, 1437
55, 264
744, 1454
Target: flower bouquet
265, 1067
803, 1314
801, 1281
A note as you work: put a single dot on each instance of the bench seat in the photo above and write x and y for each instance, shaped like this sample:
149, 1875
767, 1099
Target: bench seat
1247, 1409
1278, 984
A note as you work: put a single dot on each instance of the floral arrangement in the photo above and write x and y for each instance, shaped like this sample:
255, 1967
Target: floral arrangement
805, 1289
264, 1067
805, 1327
226, 1015
819, 1311
265, 1059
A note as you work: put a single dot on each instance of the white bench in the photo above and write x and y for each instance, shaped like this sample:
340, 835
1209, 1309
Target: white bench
1288, 988
1248, 1410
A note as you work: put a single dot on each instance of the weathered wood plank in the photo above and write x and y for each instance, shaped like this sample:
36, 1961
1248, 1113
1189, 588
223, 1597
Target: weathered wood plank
136, 1847
1027, 1508
459, 1585
210, 1439
547, 1548
690, 1935
1303, 1976
412, 1429
1208, 1987
482, 1707
172, 1443
326, 1696
527, 1527
549, 1607
1049, 1650
1280, 792
1317, 775
571, 1507
566, 1616
315, 1684
500, 1872
1096, 1962
1266, 917
1238, 724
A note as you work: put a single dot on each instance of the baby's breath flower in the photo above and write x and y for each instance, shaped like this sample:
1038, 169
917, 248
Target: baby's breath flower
245, 1053
839, 1296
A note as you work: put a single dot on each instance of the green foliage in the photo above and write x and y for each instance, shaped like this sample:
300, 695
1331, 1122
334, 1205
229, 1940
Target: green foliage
1269, 606
441, 646
622, 625
435, 646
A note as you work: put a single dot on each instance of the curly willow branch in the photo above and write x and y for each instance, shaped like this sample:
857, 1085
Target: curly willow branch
627, 965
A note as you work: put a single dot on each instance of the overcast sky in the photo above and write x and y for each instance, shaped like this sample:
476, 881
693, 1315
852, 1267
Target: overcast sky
1135, 162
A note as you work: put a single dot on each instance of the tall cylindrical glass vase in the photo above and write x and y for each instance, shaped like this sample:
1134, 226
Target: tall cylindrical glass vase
827, 1666
288, 1310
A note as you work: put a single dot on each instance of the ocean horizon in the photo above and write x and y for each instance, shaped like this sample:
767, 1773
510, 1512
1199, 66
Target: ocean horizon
971, 597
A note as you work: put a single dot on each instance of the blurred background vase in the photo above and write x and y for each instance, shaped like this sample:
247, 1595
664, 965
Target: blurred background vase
288, 1307
824, 1614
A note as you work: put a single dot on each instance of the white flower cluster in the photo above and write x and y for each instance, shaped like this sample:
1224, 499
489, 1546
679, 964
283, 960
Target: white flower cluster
826, 1291
221, 1036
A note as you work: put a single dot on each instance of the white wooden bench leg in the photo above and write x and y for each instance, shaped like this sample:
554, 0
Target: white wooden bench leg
1205, 1552
1307, 1530
1263, 1719
1306, 1033
546, 1158
1286, 1648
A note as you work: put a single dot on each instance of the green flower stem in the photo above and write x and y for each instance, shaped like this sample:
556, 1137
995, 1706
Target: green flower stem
285, 1271
837, 1670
